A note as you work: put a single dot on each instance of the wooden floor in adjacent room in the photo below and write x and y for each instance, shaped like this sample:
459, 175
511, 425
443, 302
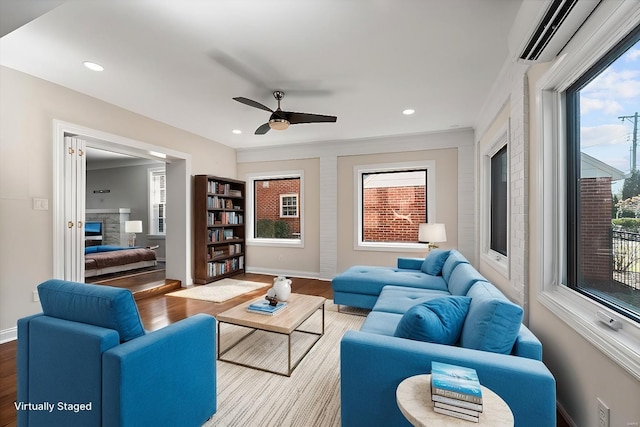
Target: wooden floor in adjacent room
156, 311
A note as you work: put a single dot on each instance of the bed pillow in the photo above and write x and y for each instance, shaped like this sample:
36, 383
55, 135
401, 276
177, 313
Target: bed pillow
438, 320
99, 305
433, 263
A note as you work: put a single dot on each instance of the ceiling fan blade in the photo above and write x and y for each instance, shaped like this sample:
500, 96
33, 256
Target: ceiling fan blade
262, 129
252, 103
295, 118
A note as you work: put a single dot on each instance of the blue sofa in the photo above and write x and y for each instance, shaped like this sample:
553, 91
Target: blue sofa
492, 340
87, 361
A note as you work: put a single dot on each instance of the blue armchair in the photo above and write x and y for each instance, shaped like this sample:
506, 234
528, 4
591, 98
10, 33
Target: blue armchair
87, 361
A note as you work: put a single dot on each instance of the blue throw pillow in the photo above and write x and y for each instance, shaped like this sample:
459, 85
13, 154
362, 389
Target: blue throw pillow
434, 261
438, 321
493, 322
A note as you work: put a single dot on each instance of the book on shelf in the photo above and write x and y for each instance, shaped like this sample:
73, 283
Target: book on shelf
456, 402
457, 382
457, 414
456, 408
263, 307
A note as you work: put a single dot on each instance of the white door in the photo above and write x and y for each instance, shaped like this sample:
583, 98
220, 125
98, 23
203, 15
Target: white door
74, 199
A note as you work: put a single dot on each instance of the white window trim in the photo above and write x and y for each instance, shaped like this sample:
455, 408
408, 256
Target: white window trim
359, 170
150, 172
496, 260
282, 196
250, 180
608, 25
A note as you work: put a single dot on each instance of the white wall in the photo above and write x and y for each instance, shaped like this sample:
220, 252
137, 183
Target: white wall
28, 107
330, 191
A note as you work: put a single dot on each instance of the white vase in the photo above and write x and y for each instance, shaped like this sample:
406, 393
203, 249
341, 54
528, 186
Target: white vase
282, 286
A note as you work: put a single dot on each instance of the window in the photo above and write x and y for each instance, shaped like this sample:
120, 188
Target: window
565, 161
392, 201
276, 209
603, 182
157, 201
289, 205
499, 199
494, 201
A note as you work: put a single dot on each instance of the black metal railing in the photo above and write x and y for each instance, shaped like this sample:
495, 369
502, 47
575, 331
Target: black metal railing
626, 258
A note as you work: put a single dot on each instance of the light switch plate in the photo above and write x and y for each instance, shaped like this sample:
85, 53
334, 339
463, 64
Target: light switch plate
40, 204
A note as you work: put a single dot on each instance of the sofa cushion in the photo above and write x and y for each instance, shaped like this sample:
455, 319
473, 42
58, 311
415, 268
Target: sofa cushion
399, 299
98, 305
451, 263
438, 321
370, 280
381, 323
434, 261
493, 322
462, 278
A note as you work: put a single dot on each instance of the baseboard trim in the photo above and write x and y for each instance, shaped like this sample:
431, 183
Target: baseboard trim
7, 335
288, 273
565, 415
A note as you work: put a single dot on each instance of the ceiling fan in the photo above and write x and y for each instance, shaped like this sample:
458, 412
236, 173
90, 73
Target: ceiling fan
280, 120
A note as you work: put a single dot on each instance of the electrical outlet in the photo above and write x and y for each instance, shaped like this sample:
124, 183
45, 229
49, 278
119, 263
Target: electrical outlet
36, 297
603, 414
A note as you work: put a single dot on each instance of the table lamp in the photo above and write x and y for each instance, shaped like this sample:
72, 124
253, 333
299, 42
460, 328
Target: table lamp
432, 233
132, 227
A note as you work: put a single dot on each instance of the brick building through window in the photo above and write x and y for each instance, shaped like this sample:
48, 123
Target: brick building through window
394, 204
277, 208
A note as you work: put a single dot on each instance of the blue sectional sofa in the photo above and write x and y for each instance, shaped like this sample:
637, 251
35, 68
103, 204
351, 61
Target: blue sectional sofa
462, 319
88, 358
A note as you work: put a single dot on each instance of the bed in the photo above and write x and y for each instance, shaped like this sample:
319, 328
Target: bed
105, 259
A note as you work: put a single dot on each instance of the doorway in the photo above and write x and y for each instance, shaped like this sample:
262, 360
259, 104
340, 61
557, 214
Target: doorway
178, 187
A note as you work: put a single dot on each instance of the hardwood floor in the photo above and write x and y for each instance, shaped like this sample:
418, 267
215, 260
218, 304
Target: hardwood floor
157, 311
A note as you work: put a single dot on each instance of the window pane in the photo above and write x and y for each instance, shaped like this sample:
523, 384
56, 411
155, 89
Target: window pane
394, 203
276, 208
499, 202
604, 220
288, 205
158, 201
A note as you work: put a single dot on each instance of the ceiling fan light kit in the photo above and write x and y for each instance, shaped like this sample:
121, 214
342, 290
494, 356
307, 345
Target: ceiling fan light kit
280, 120
278, 124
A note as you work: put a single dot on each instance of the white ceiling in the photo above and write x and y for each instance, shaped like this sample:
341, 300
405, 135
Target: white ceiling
182, 61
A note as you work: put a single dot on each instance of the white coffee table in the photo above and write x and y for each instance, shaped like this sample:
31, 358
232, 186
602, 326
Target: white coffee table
414, 400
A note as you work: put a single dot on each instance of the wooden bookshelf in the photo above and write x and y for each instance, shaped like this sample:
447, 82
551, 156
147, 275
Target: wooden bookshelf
219, 227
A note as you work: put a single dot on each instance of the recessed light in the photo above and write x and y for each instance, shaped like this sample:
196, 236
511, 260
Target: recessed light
236, 131
408, 112
157, 154
93, 66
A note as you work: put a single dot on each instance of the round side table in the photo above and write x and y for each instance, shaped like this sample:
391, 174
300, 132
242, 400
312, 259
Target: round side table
414, 400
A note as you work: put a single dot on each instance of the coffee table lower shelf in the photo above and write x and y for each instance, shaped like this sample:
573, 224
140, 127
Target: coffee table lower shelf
254, 327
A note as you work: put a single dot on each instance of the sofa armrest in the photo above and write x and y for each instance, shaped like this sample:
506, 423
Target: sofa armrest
59, 361
410, 263
527, 344
372, 366
164, 378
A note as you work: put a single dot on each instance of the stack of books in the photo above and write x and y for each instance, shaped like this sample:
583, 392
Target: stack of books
263, 307
456, 391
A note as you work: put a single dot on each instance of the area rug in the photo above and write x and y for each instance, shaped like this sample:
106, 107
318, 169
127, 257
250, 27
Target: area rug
310, 397
219, 291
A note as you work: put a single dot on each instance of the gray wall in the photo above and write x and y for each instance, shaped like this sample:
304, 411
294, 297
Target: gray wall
128, 188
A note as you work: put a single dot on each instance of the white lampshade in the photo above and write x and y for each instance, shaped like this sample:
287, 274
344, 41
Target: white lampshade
133, 226
432, 233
